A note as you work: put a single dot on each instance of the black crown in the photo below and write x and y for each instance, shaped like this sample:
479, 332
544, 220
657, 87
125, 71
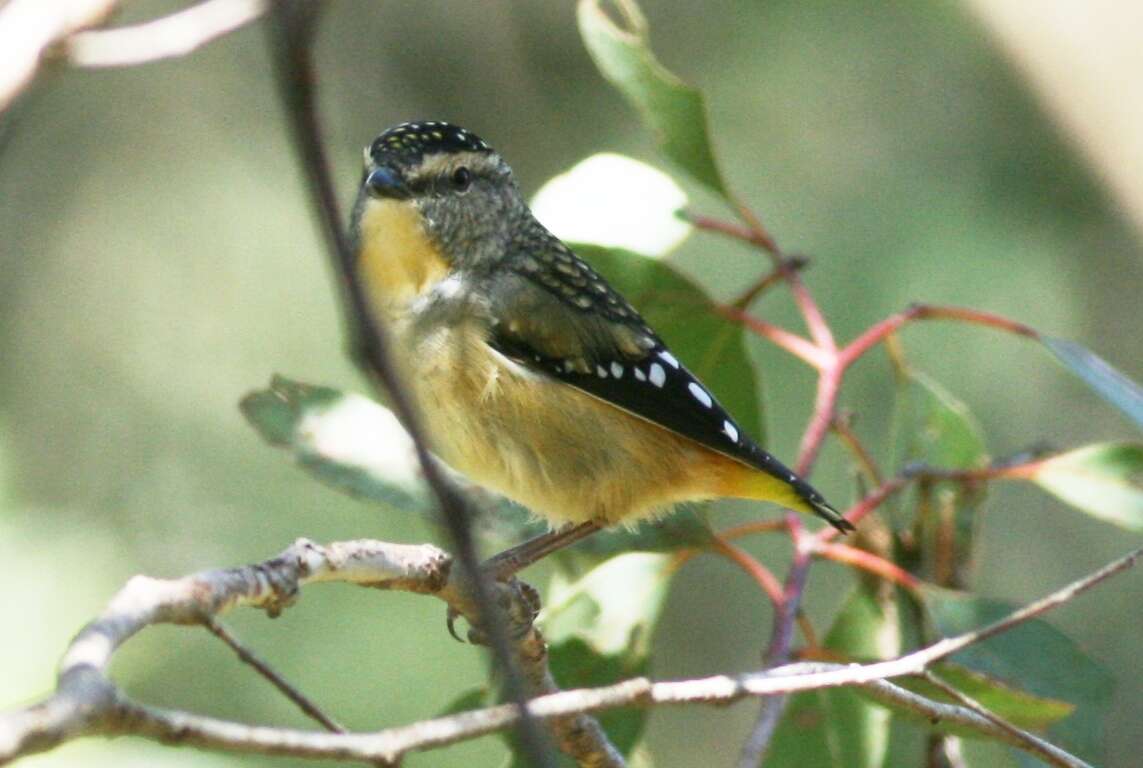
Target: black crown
426, 137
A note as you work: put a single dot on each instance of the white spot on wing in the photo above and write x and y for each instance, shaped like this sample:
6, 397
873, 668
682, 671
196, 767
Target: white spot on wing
700, 394
616, 370
639, 374
601, 371
658, 375
669, 358
730, 430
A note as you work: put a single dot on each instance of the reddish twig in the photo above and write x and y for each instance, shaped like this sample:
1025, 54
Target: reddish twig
862, 508
869, 562
796, 345
762, 575
889, 325
754, 526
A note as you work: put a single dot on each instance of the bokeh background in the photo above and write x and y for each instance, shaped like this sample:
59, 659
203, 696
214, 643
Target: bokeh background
158, 261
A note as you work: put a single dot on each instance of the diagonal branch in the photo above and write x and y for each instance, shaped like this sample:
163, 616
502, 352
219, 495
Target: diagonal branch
293, 25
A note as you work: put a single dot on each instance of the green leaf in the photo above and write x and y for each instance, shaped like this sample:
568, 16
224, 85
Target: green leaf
1112, 386
1104, 480
712, 347
345, 440
936, 429
840, 726
674, 111
933, 428
1034, 657
599, 629
1018, 707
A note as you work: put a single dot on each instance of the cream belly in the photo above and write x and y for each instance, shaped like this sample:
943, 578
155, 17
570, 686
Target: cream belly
563, 454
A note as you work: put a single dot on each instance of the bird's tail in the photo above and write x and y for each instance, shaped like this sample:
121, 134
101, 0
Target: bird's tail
789, 491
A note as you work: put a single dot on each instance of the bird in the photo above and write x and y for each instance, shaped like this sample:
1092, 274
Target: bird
532, 376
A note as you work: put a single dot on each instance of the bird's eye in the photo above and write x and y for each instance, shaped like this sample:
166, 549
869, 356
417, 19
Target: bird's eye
461, 178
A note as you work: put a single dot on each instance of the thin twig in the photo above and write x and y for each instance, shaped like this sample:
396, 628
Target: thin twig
796, 345
265, 670
762, 575
868, 562
1050, 753
292, 30
843, 427
890, 325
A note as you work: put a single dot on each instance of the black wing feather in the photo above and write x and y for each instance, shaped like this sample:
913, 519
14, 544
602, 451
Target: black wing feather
592, 339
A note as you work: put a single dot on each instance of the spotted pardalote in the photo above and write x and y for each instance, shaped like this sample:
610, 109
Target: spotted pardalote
533, 376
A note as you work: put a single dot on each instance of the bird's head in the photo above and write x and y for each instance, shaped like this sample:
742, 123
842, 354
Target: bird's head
460, 191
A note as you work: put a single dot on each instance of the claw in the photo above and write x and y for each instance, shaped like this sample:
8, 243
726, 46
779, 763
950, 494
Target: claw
450, 622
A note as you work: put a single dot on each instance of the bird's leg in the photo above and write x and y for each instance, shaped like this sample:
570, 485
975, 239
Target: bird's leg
505, 565
517, 558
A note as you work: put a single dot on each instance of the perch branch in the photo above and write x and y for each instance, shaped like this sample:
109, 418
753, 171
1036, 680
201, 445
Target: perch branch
86, 702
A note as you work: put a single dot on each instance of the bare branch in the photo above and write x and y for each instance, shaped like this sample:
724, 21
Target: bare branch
86, 702
293, 26
1050, 753
29, 29
164, 38
265, 670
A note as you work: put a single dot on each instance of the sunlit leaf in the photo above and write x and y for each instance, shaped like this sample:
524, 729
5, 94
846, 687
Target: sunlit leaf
1034, 657
614, 201
1104, 480
599, 628
839, 726
673, 110
345, 440
712, 347
1111, 384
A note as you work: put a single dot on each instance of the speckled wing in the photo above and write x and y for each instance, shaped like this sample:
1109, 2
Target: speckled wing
556, 315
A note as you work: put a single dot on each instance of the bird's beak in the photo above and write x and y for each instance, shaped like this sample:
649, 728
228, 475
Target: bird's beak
384, 181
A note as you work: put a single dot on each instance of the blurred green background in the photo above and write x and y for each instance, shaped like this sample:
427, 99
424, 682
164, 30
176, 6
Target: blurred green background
159, 261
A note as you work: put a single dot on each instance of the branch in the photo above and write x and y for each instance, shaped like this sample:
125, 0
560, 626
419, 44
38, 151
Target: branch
86, 702
1050, 753
164, 38
29, 29
292, 31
